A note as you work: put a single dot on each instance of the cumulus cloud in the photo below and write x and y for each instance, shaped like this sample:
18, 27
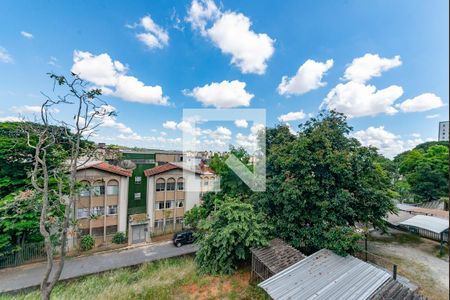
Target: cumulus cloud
356, 99
388, 143
5, 57
308, 78
111, 77
241, 123
226, 94
250, 141
11, 119
370, 65
153, 36
423, 102
231, 33
26, 35
292, 116
170, 125
26, 109
432, 116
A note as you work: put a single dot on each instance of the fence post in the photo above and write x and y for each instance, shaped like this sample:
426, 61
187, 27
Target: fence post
394, 273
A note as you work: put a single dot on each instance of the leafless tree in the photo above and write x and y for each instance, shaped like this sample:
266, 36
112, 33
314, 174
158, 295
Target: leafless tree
89, 111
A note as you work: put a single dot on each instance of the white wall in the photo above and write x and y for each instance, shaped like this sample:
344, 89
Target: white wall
123, 204
150, 197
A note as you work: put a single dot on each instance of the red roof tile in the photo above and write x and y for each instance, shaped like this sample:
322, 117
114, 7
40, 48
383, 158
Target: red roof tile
160, 169
104, 166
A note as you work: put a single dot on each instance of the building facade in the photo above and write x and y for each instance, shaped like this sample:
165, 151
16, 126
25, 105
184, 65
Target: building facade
443, 131
172, 190
101, 208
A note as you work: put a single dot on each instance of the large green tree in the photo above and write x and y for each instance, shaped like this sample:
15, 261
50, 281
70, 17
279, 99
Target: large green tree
425, 169
321, 182
226, 236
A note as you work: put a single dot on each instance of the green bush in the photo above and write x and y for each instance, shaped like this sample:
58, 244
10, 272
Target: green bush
119, 238
87, 242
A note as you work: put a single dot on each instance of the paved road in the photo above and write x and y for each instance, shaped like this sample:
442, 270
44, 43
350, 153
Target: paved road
27, 276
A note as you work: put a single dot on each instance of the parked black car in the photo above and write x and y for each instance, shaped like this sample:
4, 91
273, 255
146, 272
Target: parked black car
183, 238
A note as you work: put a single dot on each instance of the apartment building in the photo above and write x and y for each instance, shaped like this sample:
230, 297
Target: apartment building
173, 189
101, 208
443, 131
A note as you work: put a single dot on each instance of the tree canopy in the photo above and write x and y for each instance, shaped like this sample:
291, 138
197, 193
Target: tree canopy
425, 169
321, 182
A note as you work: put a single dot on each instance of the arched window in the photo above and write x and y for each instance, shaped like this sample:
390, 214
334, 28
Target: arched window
180, 184
160, 185
85, 189
171, 184
98, 189
112, 189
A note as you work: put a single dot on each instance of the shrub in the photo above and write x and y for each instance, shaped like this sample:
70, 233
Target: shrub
119, 238
87, 242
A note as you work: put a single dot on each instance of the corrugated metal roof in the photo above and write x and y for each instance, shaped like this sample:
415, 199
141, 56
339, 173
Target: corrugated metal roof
423, 211
434, 224
326, 275
398, 217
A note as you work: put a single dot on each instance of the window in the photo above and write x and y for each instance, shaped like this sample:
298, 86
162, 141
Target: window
98, 190
170, 184
82, 212
137, 196
159, 205
179, 220
138, 179
170, 204
205, 182
160, 185
98, 211
84, 192
180, 204
158, 223
169, 222
112, 190
180, 185
112, 209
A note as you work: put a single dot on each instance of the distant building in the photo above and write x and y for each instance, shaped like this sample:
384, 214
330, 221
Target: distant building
443, 131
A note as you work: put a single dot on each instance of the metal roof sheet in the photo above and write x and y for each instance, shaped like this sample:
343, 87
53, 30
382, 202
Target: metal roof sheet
326, 275
433, 224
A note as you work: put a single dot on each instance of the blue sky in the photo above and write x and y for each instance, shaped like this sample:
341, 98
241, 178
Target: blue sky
384, 63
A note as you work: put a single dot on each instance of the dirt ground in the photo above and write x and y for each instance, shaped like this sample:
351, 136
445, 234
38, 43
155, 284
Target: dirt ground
416, 259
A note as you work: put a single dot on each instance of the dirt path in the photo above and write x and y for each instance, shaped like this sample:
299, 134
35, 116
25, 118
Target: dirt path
418, 261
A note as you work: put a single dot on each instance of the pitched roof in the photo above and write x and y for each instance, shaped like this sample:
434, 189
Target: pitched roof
326, 275
424, 211
394, 290
104, 166
178, 165
278, 255
433, 224
160, 169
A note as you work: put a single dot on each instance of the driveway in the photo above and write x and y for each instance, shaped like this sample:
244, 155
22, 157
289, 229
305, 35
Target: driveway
28, 276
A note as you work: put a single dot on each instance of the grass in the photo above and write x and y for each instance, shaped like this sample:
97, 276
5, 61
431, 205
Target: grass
397, 237
175, 278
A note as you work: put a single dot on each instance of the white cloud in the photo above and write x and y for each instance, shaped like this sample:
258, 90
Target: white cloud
356, 99
5, 57
250, 141
53, 61
170, 125
308, 78
231, 33
26, 35
432, 116
424, 102
154, 36
30, 109
111, 122
241, 123
225, 94
368, 66
10, 119
292, 116
111, 77
388, 143
200, 13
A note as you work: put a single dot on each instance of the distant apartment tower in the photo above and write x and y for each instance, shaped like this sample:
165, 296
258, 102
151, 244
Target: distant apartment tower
443, 131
